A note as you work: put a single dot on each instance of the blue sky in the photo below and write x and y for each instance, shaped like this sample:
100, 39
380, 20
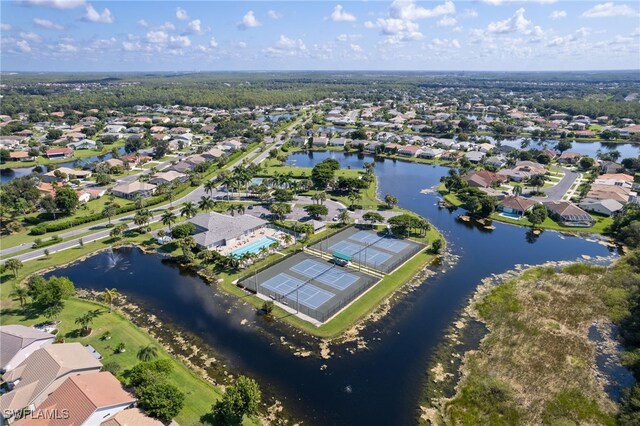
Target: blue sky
82, 35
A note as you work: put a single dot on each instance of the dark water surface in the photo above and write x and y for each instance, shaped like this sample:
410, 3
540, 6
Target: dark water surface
377, 386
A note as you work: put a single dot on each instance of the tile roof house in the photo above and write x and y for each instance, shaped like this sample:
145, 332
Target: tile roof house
483, 178
606, 207
216, 230
133, 190
617, 179
320, 141
88, 399
516, 205
59, 153
21, 156
611, 167
612, 192
167, 177
570, 157
17, 342
42, 373
132, 417
568, 214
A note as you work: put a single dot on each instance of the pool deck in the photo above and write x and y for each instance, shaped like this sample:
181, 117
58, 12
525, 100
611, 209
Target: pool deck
250, 239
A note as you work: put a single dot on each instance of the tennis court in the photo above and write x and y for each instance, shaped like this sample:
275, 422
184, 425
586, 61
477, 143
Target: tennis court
326, 273
322, 287
297, 291
365, 254
375, 250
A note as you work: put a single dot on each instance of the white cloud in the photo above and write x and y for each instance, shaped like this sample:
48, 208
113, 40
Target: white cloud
213, 43
408, 10
142, 23
443, 43
355, 48
5, 27
32, 37
369, 25
517, 23
469, 13
447, 21
558, 14
92, 15
195, 27
579, 34
609, 9
180, 41
274, 15
157, 37
341, 15
54, 4
241, 45
501, 2
342, 37
249, 21
286, 47
131, 46
167, 26
348, 37
67, 48
23, 45
45, 23
181, 14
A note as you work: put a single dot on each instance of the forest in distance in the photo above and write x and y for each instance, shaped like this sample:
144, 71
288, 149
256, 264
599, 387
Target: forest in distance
589, 93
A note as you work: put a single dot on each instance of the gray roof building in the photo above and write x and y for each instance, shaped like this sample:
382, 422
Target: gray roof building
215, 229
17, 342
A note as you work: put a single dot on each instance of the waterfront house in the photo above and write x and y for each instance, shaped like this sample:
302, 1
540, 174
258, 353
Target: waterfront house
516, 205
18, 342
34, 379
21, 156
409, 150
570, 157
609, 192
320, 141
474, 156
58, 153
483, 179
606, 207
568, 214
617, 179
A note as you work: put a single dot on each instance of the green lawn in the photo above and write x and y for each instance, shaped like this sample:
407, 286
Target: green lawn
599, 228
77, 155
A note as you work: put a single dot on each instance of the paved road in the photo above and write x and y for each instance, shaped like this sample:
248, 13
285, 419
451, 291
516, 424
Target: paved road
99, 231
556, 192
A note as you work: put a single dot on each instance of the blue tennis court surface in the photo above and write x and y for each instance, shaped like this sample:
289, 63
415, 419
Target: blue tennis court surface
294, 289
369, 255
325, 273
390, 244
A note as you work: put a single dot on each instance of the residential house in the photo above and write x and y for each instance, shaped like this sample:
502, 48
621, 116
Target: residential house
133, 190
568, 214
17, 342
89, 398
83, 144
132, 417
496, 161
320, 141
58, 153
168, 177
95, 192
46, 189
83, 196
338, 142
617, 179
34, 379
430, 153
114, 128
230, 145
451, 155
65, 174
21, 156
474, 156
610, 167
218, 230
409, 150
484, 178
133, 160
213, 154
523, 170
516, 205
113, 162
607, 207
570, 157
609, 192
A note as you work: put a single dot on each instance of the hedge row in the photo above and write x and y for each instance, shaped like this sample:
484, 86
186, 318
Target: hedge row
39, 244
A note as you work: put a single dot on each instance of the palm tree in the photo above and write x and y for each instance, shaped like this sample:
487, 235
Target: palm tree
20, 293
188, 209
14, 265
354, 197
517, 190
232, 261
109, 210
118, 231
206, 203
209, 187
263, 251
109, 295
231, 209
240, 208
287, 239
186, 244
344, 217
139, 201
168, 218
147, 353
142, 218
84, 321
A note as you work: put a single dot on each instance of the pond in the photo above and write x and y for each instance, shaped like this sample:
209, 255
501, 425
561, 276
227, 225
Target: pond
7, 175
377, 386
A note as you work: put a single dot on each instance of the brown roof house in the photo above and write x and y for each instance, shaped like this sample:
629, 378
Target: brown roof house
86, 399
133, 190
568, 214
133, 417
17, 342
484, 178
517, 206
33, 380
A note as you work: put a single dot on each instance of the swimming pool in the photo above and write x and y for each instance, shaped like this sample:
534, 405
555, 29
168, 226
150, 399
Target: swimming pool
254, 247
511, 215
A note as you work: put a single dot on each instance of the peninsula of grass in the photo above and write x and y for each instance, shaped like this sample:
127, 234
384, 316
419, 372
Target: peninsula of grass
79, 154
538, 363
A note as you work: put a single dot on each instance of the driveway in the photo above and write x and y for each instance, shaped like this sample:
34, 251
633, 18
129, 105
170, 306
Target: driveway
556, 192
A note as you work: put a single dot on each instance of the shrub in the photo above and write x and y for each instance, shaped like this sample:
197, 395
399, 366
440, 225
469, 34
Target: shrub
268, 306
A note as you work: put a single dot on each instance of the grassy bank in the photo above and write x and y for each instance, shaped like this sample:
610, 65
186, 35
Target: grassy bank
536, 365
79, 154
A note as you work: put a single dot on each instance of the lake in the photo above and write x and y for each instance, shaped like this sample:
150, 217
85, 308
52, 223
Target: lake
377, 386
